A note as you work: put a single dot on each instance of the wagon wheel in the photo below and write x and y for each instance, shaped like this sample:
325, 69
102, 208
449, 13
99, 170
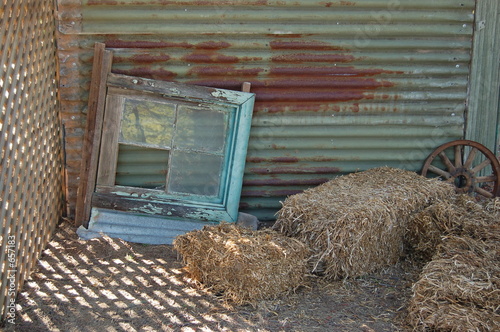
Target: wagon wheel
462, 171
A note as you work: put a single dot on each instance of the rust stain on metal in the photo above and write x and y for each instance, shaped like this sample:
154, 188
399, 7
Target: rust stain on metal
118, 43
312, 90
312, 94
142, 58
314, 98
212, 45
324, 82
147, 72
244, 205
277, 147
233, 84
210, 58
147, 58
329, 83
147, 44
209, 55
329, 71
225, 71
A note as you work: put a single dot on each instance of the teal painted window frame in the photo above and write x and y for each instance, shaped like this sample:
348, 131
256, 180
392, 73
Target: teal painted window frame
222, 207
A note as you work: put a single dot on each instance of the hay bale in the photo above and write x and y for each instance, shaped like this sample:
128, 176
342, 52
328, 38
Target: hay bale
493, 206
460, 215
355, 223
242, 264
459, 290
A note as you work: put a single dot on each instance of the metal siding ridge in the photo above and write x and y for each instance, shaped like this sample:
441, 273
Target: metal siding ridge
335, 143
176, 57
409, 29
364, 4
136, 15
361, 119
207, 74
339, 131
158, 43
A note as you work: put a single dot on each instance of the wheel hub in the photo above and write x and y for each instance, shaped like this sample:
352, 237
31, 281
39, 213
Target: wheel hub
464, 180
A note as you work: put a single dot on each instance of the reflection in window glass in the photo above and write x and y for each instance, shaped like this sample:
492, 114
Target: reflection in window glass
183, 141
141, 167
195, 173
200, 129
147, 122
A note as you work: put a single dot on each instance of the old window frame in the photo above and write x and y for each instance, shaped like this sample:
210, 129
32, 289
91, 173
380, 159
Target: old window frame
224, 207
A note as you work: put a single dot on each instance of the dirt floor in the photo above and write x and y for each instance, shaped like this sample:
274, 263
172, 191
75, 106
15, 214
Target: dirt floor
111, 285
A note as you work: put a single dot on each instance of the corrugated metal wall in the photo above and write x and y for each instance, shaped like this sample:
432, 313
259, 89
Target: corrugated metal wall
341, 85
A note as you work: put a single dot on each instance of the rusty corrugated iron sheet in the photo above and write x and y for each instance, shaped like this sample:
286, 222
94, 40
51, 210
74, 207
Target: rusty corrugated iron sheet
340, 86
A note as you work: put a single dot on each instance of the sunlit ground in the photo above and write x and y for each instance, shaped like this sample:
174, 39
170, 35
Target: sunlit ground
111, 285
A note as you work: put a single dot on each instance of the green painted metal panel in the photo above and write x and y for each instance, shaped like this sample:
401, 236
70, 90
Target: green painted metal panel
483, 123
340, 86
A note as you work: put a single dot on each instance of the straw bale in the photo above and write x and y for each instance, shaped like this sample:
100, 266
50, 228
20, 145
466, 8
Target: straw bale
493, 206
459, 289
460, 215
242, 264
355, 223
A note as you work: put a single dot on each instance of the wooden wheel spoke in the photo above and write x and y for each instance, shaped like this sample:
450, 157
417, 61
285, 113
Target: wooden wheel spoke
490, 178
446, 161
458, 156
483, 192
466, 167
439, 171
470, 158
479, 167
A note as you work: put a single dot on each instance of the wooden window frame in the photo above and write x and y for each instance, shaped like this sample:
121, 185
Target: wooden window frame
149, 201
97, 189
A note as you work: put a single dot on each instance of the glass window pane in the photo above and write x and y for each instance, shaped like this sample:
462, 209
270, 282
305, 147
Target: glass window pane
141, 167
195, 173
147, 122
200, 129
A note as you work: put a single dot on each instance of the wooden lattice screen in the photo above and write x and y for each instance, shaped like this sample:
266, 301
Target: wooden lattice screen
31, 176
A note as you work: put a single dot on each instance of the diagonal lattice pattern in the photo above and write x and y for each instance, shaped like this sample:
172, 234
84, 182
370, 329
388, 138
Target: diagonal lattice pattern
30, 141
